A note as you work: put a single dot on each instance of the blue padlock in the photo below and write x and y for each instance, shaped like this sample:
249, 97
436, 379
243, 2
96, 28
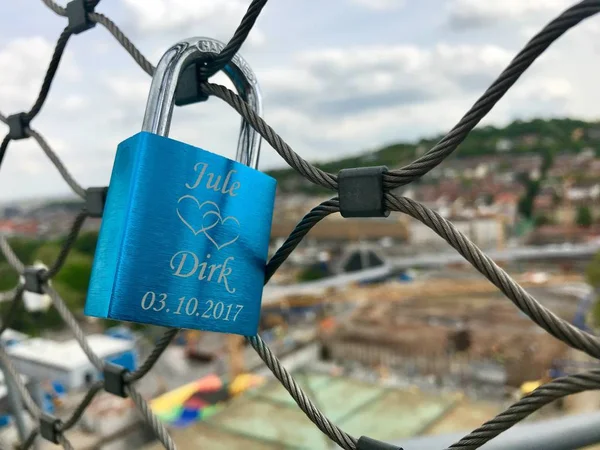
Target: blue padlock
185, 232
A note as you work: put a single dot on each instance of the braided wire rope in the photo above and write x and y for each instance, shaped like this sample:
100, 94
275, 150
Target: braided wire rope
557, 327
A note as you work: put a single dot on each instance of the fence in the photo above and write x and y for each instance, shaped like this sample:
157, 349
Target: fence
119, 382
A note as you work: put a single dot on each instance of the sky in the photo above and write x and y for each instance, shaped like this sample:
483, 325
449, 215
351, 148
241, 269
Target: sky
338, 78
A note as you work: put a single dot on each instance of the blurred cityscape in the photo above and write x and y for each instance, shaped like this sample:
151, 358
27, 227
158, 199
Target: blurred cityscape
389, 330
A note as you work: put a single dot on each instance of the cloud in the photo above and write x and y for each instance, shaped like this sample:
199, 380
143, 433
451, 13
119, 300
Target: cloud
360, 88
380, 5
215, 18
346, 81
465, 14
340, 100
23, 64
74, 102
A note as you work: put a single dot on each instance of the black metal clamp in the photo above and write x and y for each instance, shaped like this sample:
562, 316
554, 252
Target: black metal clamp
50, 427
361, 193
114, 379
367, 443
95, 199
34, 279
188, 89
77, 13
17, 126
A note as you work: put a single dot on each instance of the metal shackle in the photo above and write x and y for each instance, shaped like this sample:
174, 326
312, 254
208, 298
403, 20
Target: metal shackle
159, 108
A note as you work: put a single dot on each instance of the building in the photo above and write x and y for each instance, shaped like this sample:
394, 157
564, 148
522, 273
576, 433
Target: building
12, 337
474, 341
485, 232
66, 363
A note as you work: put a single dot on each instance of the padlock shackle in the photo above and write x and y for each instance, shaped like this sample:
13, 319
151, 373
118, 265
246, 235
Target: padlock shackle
159, 108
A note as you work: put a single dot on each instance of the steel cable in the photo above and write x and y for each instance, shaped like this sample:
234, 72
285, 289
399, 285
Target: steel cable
295, 161
12, 259
3, 147
530, 403
158, 350
339, 436
219, 61
53, 157
557, 327
8, 366
534, 48
71, 322
65, 249
157, 426
317, 214
14, 305
145, 65
59, 50
87, 400
30, 440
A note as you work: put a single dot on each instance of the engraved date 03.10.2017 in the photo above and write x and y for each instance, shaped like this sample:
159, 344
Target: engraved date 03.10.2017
192, 307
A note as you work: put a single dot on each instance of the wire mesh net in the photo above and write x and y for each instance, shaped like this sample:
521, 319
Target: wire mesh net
56, 429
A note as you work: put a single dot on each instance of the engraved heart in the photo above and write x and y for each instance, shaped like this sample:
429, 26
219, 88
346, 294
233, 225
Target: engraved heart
220, 220
214, 214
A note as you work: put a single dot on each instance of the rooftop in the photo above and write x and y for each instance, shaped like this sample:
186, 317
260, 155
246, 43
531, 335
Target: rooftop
268, 418
67, 355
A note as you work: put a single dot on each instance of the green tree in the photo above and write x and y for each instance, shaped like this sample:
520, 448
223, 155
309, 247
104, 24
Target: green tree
584, 216
8, 277
72, 280
556, 199
47, 253
86, 242
532, 187
592, 276
592, 272
311, 273
24, 248
541, 220
76, 272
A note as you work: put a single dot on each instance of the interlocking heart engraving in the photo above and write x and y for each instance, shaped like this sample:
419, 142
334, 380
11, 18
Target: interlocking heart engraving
212, 212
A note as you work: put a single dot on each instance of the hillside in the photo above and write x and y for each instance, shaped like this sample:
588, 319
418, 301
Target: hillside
546, 137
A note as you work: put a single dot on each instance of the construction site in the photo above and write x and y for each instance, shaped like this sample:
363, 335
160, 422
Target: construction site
456, 332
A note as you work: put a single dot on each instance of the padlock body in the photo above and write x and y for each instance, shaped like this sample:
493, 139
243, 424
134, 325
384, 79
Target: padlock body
184, 239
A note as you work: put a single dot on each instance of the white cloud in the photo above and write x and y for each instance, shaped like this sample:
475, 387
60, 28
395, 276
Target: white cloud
546, 89
380, 5
215, 18
347, 81
23, 64
477, 13
347, 99
130, 89
74, 102
325, 102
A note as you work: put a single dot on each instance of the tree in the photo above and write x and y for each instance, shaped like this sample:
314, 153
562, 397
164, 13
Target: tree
72, 280
592, 272
8, 277
86, 242
24, 248
311, 273
592, 276
584, 216
556, 198
47, 253
541, 220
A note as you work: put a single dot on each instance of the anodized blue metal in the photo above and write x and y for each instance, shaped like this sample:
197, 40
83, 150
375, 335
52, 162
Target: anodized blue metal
184, 239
